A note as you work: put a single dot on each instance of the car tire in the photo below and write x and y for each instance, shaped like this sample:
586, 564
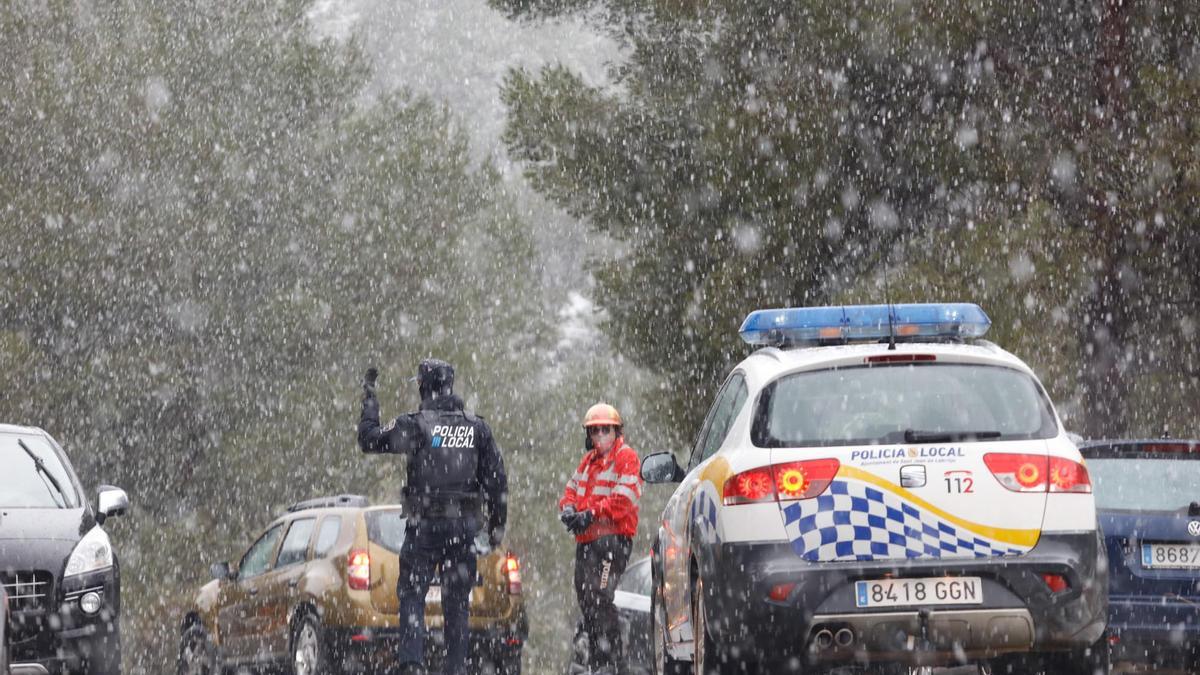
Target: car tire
309, 652
709, 658
197, 656
663, 663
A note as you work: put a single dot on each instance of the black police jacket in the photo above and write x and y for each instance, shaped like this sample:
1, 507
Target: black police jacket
454, 465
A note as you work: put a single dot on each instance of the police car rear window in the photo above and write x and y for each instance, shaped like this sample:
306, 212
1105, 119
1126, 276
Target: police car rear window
886, 404
386, 528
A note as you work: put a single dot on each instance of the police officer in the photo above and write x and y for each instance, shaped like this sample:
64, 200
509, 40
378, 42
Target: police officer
454, 470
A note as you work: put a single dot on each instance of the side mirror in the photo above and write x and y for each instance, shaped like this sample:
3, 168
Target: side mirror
661, 467
112, 501
220, 571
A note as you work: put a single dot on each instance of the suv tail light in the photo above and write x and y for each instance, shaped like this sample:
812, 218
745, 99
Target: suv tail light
358, 570
1069, 476
512, 569
1038, 473
781, 482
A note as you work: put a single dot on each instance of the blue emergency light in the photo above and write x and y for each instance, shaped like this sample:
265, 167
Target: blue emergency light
817, 325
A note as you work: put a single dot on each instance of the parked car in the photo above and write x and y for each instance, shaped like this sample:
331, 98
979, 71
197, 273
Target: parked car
632, 598
316, 592
57, 565
877, 485
1148, 498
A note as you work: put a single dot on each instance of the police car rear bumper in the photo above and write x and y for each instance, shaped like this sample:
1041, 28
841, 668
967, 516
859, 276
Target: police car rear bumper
1018, 613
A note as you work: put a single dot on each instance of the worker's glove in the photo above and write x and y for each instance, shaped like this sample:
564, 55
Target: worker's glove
581, 522
496, 537
567, 515
369, 383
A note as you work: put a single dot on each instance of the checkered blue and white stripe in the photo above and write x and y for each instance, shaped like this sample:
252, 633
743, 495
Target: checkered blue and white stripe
856, 521
704, 515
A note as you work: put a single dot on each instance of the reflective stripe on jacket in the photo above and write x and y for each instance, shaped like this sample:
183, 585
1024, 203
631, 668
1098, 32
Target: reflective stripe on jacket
609, 485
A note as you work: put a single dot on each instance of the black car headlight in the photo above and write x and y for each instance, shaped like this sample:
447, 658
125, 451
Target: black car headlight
92, 554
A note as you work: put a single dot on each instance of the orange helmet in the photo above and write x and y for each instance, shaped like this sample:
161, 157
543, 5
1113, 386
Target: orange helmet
601, 414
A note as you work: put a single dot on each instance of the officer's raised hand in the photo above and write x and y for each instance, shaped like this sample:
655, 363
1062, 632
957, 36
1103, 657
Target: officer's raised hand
369, 382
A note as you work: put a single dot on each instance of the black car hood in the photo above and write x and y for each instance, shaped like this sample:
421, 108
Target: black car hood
43, 524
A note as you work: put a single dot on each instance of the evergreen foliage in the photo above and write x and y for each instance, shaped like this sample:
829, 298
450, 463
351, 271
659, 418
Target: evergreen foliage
757, 154
209, 235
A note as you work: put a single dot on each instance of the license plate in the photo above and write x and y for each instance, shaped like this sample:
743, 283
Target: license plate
924, 592
434, 594
1173, 556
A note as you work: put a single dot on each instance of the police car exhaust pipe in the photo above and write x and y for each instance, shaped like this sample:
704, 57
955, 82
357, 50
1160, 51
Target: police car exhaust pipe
824, 639
844, 637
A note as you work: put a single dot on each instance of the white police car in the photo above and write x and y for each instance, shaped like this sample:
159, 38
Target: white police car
877, 486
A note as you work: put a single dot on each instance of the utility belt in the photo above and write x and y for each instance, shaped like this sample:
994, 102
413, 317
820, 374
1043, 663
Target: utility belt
444, 504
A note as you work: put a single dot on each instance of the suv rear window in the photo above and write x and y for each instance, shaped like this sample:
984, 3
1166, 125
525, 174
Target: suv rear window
386, 528
1121, 481
883, 404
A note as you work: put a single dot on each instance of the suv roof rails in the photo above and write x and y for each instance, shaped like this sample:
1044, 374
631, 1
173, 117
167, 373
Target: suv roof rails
343, 501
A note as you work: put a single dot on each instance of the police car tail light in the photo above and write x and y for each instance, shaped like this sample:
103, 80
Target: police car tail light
804, 480
781, 482
749, 487
1019, 473
512, 569
358, 570
1068, 476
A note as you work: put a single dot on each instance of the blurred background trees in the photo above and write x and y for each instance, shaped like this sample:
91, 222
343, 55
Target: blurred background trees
757, 154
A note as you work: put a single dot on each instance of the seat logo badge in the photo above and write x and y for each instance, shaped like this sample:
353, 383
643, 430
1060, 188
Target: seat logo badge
912, 476
1194, 528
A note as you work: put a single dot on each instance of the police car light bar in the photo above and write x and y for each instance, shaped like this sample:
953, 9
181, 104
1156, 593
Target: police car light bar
817, 325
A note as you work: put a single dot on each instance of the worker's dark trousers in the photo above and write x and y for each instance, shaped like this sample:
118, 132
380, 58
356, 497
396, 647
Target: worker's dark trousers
599, 565
444, 543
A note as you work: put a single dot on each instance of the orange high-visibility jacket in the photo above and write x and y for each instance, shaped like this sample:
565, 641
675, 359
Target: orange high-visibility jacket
609, 485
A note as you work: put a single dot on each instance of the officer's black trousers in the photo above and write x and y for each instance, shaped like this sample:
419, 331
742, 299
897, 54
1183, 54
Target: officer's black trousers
599, 565
444, 543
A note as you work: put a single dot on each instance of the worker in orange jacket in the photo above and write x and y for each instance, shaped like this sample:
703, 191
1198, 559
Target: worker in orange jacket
600, 507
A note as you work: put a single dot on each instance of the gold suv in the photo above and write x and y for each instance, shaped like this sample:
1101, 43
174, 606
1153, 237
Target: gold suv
316, 593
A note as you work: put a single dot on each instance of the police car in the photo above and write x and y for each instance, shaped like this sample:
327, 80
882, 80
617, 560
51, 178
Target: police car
877, 486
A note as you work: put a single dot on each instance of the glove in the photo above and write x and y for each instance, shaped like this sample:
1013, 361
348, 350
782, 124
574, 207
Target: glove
581, 522
482, 544
496, 537
567, 515
369, 382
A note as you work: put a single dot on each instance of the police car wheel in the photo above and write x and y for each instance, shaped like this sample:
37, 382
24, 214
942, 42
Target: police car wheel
663, 663
709, 658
